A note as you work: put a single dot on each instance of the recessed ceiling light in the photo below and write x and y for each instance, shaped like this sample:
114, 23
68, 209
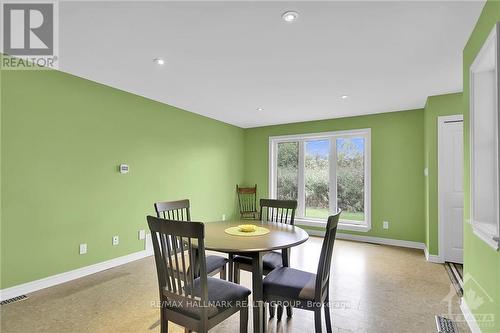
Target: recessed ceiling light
159, 61
344, 96
260, 109
290, 16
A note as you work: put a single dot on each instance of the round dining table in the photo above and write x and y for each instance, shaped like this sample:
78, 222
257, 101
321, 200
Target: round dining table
280, 237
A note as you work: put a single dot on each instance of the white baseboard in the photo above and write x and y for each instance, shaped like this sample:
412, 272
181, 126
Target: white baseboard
370, 239
432, 257
469, 317
314, 232
53, 280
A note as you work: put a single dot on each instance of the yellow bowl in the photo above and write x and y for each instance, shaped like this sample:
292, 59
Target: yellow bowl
247, 228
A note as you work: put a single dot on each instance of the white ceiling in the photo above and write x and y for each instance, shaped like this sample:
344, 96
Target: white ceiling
226, 59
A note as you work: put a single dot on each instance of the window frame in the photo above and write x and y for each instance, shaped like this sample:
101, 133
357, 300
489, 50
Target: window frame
488, 231
332, 136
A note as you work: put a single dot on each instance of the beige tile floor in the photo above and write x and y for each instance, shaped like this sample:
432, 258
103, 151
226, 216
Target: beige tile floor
378, 289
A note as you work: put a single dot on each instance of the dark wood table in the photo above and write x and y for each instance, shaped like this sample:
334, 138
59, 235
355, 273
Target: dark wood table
280, 236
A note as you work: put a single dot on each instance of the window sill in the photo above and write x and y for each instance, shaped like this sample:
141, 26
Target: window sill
343, 225
487, 233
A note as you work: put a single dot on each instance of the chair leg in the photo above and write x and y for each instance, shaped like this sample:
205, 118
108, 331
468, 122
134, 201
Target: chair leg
289, 311
264, 318
279, 312
327, 318
236, 274
327, 314
203, 327
244, 319
271, 310
163, 321
317, 320
223, 272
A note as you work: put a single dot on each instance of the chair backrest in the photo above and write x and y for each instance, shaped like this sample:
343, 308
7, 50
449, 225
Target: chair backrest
247, 199
173, 210
325, 259
175, 244
282, 211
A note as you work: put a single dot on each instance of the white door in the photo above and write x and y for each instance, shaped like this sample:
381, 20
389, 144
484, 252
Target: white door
451, 194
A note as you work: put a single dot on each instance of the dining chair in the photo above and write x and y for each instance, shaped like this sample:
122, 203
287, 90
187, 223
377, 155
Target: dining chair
197, 303
271, 210
180, 211
302, 289
247, 201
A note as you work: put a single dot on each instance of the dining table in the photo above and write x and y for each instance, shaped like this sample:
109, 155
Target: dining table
280, 236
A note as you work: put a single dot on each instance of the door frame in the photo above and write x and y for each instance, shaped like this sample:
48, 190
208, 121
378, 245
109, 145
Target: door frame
441, 123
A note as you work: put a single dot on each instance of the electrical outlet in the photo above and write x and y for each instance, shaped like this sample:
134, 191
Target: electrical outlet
223, 217
142, 234
83, 248
386, 224
116, 240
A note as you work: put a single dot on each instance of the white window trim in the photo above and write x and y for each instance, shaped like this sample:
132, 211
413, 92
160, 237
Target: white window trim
301, 220
489, 233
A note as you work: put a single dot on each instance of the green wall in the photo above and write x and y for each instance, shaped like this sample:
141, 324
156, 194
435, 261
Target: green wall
481, 262
62, 139
397, 177
436, 106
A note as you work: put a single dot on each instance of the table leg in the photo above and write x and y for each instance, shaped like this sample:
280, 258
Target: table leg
285, 257
257, 293
230, 268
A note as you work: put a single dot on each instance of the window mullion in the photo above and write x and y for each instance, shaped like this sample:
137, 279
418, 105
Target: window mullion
332, 161
301, 181
274, 171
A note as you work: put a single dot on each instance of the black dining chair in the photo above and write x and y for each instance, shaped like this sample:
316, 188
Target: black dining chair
305, 290
197, 303
271, 210
180, 211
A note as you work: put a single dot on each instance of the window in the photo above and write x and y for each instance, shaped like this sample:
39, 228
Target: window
484, 141
323, 172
